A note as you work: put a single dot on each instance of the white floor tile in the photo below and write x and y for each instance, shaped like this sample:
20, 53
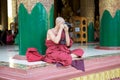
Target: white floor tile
7, 52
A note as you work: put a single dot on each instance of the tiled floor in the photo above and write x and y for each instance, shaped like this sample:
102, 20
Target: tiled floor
93, 61
7, 53
90, 51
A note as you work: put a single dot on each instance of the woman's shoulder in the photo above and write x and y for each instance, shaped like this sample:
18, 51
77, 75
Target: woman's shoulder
49, 32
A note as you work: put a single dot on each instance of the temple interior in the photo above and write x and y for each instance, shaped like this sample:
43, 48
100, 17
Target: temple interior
94, 28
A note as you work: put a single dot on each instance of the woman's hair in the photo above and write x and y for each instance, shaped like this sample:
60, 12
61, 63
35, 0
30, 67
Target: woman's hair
59, 19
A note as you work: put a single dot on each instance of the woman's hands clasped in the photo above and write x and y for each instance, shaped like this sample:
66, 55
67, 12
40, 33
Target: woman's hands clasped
66, 28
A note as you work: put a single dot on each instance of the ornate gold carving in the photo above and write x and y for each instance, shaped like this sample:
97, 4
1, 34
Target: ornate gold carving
111, 5
87, 10
29, 4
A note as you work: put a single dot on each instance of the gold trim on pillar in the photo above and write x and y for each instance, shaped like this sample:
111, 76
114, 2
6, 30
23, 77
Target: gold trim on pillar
111, 5
29, 4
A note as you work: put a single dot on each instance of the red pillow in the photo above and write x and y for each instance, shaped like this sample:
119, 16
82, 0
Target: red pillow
33, 55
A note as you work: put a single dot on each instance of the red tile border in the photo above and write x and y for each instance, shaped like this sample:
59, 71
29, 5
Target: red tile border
52, 72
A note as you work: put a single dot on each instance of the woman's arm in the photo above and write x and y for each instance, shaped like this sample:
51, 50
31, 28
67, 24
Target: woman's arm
53, 37
67, 35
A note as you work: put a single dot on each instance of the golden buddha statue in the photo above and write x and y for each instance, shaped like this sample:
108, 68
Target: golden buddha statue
66, 10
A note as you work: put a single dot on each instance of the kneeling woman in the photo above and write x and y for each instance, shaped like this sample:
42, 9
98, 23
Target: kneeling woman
58, 43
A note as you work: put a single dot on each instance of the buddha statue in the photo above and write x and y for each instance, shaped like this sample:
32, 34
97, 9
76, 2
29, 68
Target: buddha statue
66, 10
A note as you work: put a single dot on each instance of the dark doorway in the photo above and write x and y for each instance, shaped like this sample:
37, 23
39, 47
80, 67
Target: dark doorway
0, 12
3, 13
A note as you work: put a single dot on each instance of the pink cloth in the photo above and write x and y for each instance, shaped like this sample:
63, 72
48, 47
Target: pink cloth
79, 52
59, 53
33, 55
56, 53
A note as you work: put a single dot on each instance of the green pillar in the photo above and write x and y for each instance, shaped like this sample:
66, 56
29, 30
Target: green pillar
33, 26
110, 23
90, 32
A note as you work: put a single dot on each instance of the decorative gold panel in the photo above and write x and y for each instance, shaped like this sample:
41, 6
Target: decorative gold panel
111, 5
29, 4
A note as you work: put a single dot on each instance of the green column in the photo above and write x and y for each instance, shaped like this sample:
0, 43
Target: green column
90, 32
110, 23
33, 27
